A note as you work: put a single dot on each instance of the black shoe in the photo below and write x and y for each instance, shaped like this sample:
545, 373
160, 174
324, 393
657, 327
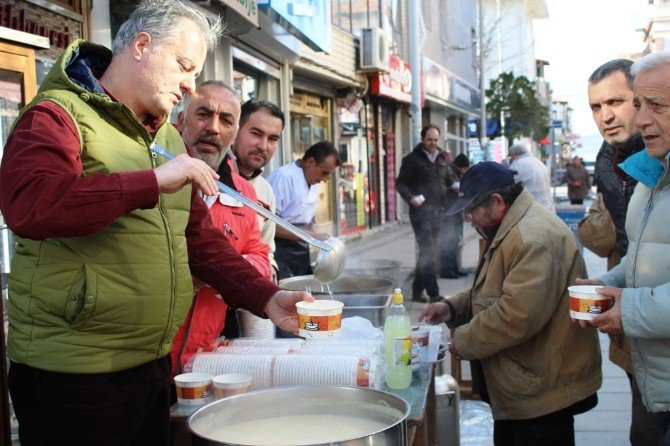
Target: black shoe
421, 297
462, 273
450, 276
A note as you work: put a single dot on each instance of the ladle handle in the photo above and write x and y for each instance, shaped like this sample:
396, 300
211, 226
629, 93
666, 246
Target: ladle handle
255, 206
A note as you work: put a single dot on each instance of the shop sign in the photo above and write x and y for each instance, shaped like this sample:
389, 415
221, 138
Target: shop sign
308, 21
444, 85
247, 9
15, 18
397, 83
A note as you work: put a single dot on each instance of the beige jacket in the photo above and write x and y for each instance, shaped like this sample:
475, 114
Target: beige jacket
515, 319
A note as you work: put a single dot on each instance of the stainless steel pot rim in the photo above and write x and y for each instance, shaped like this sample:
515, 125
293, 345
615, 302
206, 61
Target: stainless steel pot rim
381, 393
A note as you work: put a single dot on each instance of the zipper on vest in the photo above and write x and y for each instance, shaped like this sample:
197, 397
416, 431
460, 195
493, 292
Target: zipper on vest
168, 236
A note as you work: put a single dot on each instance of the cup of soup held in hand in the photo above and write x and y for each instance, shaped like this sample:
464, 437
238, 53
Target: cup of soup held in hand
586, 303
319, 319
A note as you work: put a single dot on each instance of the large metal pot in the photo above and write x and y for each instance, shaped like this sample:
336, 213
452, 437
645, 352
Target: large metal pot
354, 402
345, 284
388, 269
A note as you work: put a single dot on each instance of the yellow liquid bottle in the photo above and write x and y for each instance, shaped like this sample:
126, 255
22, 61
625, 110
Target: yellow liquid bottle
397, 344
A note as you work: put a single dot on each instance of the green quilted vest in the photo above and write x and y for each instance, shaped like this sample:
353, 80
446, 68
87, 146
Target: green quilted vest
112, 300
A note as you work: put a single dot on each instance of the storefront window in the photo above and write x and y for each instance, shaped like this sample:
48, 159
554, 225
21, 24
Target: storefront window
352, 15
245, 85
353, 146
305, 131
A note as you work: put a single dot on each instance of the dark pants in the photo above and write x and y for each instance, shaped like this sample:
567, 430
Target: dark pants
292, 258
642, 428
451, 243
426, 223
662, 422
130, 407
549, 430
576, 201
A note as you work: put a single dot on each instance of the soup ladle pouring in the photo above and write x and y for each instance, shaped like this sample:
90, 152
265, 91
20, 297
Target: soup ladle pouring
331, 259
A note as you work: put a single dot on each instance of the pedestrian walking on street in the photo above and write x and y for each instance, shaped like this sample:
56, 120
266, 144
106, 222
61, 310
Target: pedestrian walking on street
530, 362
423, 183
533, 174
578, 180
451, 237
610, 93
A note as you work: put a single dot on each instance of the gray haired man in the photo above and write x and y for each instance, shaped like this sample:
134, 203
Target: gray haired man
109, 235
533, 174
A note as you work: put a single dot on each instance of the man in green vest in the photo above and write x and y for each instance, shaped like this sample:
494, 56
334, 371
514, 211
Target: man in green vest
108, 235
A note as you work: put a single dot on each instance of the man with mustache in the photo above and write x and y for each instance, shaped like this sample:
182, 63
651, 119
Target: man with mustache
209, 124
533, 365
610, 92
109, 235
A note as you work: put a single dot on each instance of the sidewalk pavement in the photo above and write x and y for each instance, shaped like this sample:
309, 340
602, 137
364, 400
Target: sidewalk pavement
608, 423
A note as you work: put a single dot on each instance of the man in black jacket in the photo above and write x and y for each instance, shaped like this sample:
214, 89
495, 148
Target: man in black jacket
610, 94
423, 183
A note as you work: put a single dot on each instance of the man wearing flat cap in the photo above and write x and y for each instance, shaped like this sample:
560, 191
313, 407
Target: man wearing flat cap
532, 364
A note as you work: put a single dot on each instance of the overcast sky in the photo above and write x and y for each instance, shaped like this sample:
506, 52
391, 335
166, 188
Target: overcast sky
580, 35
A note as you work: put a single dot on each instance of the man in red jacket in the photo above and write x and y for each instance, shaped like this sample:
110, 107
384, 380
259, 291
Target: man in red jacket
209, 125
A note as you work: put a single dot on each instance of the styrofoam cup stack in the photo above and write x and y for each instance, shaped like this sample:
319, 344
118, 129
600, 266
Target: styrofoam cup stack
254, 327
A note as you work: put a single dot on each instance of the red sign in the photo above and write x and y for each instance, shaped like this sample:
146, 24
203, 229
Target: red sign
19, 22
397, 83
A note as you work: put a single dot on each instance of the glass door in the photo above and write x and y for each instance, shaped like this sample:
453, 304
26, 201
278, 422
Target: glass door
18, 85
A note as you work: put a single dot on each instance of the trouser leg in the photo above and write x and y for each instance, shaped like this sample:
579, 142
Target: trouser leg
426, 225
642, 428
129, 407
548, 430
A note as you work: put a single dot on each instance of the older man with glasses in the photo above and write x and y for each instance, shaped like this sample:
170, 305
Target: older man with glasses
535, 368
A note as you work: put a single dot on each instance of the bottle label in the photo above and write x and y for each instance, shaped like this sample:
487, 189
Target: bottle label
402, 351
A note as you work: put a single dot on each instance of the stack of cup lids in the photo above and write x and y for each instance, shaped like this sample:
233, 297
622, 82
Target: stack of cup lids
255, 327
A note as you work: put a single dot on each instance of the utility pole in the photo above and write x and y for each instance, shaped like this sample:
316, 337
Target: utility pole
482, 86
415, 69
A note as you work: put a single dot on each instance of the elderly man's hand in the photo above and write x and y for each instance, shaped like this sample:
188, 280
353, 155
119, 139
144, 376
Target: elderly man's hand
436, 313
610, 321
183, 170
281, 309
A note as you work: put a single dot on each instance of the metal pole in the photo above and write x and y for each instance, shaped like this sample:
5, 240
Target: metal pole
482, 86
415, 69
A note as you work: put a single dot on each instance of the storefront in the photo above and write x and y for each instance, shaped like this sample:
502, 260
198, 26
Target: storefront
449, 103
390, 94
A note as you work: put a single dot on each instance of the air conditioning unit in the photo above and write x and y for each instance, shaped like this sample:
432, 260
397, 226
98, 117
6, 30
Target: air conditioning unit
374, 51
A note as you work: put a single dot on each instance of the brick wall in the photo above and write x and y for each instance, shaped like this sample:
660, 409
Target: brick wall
61, 29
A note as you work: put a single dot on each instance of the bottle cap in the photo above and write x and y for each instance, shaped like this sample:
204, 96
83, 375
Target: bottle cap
397, 296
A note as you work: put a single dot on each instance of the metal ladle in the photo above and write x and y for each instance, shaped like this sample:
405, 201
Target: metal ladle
330, 260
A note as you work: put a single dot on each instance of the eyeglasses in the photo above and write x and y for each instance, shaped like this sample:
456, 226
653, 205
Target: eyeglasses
470, 208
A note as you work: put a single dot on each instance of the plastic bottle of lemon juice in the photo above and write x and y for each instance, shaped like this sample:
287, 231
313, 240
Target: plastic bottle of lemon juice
397, 344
